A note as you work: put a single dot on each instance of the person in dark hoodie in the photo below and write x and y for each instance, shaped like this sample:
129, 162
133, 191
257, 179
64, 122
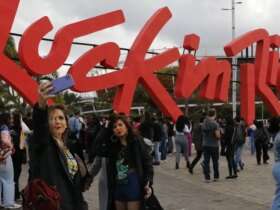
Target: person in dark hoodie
261, 142
229, 137
197, 140
211, 136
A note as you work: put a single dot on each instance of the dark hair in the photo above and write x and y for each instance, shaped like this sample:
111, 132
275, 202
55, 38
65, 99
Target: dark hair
259, 124
237, 119
229, 121
180, 123
274, 125
201, 119
211, 112
147, 117
187, 121
4, 118
124, 119
60, 107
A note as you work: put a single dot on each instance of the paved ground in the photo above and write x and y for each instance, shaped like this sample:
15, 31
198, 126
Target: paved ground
178, 190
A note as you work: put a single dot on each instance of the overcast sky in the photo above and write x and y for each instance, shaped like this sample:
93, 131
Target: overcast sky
203, 17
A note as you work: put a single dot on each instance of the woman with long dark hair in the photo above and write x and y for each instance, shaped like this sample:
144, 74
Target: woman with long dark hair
130, 170
181, 141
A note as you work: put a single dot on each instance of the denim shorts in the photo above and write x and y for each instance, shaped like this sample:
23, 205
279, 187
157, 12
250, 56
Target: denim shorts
130, 191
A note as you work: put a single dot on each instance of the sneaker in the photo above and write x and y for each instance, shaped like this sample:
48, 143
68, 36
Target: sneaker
232, 177
215, 179
156, 163
177, 166
13, 206
207, 180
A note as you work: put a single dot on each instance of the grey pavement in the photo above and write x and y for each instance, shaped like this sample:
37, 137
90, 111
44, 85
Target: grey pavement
179, 190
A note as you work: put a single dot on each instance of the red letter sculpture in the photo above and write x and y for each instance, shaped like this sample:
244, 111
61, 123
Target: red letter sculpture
262, 72
212, 74
13, 74
136, 69
29, 43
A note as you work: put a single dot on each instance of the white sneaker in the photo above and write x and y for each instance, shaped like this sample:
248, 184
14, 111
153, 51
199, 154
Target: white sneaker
13, 206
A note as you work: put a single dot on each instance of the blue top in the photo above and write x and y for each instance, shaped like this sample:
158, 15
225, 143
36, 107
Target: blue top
277, 147
75, 125
251, 132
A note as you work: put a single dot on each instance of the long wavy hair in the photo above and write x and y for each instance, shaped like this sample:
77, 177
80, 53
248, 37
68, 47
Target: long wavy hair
62, 108
180, 123
130, 133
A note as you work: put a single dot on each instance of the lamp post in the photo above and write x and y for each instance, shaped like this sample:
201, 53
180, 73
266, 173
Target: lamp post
234, 59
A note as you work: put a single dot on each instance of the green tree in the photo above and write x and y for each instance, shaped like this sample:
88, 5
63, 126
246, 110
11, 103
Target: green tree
70, 100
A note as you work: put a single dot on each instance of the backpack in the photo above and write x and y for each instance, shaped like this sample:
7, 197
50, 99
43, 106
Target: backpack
38, 195
261, 136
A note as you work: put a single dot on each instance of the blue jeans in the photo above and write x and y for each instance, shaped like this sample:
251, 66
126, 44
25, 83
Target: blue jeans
238, 156
163, 149
276, 175
7, 185
181, 148
252, 145
156, 150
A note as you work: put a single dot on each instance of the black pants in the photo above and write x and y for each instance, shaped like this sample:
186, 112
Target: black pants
211, 153
232, 169
197, 158
223, 147
17, 162
261, 150
169, 145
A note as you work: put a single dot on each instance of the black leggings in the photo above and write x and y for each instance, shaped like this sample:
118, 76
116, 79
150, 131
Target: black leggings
196, 159
231, 163
261, 150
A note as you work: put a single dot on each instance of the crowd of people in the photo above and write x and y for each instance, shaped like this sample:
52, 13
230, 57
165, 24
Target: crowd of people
66, 154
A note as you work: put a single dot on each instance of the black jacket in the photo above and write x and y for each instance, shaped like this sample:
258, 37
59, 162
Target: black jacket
138, 152
228, 137
197, 137
48, 163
